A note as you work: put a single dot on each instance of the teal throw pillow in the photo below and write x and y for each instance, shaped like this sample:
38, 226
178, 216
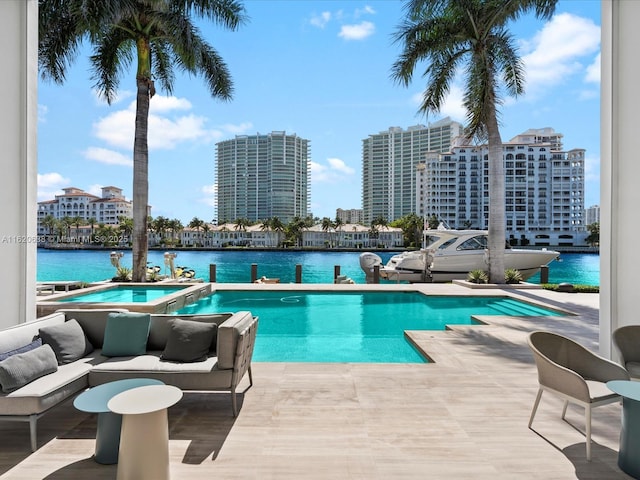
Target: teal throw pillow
126, 334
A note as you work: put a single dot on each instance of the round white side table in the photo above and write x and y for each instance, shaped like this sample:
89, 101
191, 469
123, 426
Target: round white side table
144, 441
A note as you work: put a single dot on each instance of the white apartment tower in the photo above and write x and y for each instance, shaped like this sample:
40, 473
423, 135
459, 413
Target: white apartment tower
544, 189
592, 215
389, 161
353, 215
262, 176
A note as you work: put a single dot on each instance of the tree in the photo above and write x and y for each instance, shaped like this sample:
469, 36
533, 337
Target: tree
472, 34
50, 223
197, 224
593, 238
160, 36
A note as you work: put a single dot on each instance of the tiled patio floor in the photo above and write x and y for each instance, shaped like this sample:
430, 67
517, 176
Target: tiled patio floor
463, 417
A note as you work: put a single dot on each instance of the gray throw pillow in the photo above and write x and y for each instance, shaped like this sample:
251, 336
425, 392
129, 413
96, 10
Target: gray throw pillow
22, 368
189, 341
25, 348
67, 340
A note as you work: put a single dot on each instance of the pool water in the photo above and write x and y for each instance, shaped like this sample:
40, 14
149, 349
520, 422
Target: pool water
124, 294
351, 327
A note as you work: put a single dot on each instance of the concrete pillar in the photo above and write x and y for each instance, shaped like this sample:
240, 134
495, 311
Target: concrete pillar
619, 169
18, 137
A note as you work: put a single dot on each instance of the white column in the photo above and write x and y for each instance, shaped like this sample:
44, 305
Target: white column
18, 195
619, 170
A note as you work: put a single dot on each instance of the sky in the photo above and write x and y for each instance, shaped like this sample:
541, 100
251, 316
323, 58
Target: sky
317, 69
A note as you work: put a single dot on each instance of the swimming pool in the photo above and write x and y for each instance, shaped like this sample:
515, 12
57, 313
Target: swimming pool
303, 326
137, 297
125, 294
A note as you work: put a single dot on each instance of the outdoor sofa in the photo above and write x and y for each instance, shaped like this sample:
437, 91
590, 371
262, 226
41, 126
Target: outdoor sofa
77, 349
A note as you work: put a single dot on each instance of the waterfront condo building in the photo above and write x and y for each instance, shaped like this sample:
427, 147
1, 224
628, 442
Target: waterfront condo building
353, 215
592, 215
544, 188
74, 202
262, 176
389, 161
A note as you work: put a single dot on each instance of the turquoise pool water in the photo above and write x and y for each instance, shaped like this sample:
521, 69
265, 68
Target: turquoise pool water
351, 327
124, 294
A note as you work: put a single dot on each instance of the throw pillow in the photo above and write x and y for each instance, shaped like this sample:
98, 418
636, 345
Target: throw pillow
67, 340
189, 341
126, 334
25, 348
22, 368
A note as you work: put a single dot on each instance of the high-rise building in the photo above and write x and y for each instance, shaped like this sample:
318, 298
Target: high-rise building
389, 161
544, 197
592, 215
353, 215
263, 176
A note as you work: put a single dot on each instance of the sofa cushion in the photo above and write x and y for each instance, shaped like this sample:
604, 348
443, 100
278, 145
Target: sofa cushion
22, 368
25, 348
67, 340
189, 341
160, 327
126, 334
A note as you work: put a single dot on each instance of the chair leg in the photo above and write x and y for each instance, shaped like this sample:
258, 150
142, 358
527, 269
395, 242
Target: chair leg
535, 406
234, 402
250, 377
33, 423
587, 423
564, 409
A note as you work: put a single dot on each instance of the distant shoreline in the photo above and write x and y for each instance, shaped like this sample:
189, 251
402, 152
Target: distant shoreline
68, 247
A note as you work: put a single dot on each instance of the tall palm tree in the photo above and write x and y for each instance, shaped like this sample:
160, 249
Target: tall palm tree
160, 36
278, 227
472, 35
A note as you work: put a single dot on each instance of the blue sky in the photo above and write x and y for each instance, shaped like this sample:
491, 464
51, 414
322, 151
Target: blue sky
321, 70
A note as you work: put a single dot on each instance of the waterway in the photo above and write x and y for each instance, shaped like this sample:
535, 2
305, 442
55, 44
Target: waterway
234, 266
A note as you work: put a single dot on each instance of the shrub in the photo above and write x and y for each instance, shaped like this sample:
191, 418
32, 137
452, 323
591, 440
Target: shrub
477, 276
511, 275
123, 274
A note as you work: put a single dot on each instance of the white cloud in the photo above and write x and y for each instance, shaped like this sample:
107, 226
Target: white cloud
109, 157
165, 130
453, 105
358, 31
320, 20
42, 113
95, 189
50, 185
236, 129
48, 180
593, 71
339, 166
210, 197
367, 10
557, 50
335, 171
121, 96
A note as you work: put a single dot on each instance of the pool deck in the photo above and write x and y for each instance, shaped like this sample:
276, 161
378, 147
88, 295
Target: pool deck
463, 417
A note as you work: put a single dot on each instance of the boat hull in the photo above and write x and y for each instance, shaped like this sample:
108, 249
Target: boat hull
445, 268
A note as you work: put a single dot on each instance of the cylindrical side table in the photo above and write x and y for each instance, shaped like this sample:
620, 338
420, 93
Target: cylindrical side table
144, 441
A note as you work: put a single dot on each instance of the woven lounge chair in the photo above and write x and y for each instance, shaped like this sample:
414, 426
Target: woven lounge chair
627, 341
575, 374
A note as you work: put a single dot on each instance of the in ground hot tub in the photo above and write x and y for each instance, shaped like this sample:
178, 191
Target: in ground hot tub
136, 297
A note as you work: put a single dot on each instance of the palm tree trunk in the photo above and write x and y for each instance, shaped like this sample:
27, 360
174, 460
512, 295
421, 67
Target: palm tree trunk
140, 182
497, 228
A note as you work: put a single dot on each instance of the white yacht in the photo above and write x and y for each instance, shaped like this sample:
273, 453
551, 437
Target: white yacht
452, 254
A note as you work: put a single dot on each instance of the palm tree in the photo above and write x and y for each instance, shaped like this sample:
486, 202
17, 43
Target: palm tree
125, 226
472, 34
327, 225
160, 36
49, 222
197, 224
91, 221
278, 227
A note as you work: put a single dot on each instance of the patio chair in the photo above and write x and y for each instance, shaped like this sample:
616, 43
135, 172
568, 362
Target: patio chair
627, 341
575, 374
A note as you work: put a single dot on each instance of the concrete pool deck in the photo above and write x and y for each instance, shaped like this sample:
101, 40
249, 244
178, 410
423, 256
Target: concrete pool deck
463, 417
